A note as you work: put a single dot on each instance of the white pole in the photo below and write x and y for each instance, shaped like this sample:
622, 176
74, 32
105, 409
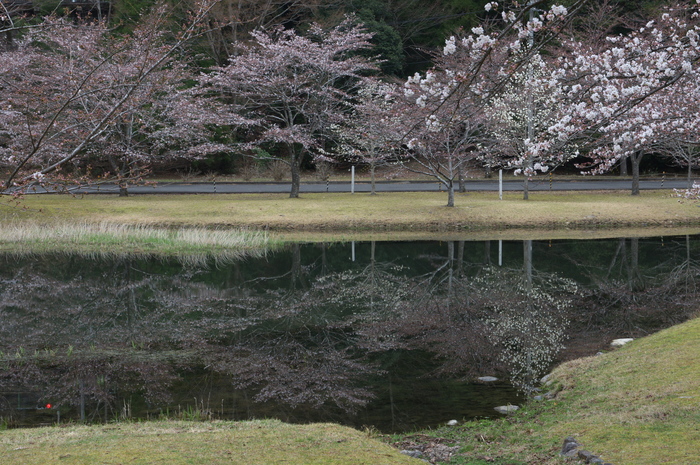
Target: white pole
500, 184
352, 182
353, 251
500, 253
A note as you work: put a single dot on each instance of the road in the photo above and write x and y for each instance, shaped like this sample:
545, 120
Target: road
385, 186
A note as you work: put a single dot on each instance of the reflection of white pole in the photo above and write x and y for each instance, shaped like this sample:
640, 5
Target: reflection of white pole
352, 182
500, 184
353, 251
500, 253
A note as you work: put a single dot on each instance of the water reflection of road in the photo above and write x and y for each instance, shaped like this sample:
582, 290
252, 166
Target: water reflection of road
328, 331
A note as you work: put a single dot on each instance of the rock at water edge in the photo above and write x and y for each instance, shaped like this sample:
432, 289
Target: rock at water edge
505, 409
621, 342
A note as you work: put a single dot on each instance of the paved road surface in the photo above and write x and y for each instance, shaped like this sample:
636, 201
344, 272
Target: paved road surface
386, 186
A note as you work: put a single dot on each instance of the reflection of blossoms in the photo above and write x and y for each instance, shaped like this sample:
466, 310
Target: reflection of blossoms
433, 123
414, 144
528, 323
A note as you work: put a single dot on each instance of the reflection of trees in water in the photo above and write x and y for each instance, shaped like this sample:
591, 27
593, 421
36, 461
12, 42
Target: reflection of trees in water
312, 371
498, 320
289, 343
303, 334
88, 381
631, 296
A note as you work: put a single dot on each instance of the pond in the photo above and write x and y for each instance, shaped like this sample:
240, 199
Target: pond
388, 335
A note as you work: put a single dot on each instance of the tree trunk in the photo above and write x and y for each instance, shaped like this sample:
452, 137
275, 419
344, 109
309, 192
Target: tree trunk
123, 189
636, 158
295, 163
462, 184
451, 195
371, 171
690, 173
526, 188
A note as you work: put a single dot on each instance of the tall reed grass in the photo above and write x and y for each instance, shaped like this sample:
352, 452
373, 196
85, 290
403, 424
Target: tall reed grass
111, 239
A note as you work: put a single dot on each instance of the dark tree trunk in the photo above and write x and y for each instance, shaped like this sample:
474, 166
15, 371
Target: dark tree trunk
295, 163
451, 195
462, 184
526, 188
635, 159
690, 173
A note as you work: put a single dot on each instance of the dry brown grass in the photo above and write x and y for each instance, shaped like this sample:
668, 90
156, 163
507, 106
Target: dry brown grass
588, 213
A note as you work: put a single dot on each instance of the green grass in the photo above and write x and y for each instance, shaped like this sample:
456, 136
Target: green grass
211, 443
638, 405
389, 214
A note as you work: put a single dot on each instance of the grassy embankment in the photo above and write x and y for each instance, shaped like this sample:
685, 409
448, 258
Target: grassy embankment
211, 443
385, 216
639, 405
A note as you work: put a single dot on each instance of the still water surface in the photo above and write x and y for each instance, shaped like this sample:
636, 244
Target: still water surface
392, 335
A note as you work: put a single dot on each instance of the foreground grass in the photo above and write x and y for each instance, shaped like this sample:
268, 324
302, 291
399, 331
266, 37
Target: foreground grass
211, 443
639, 405
387, 214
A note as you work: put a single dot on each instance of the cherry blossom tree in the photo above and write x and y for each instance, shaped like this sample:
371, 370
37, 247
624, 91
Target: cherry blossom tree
441, 143
472, 71
679, 133
68, 85
370, 134
621, 97
527, 107
295, 87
